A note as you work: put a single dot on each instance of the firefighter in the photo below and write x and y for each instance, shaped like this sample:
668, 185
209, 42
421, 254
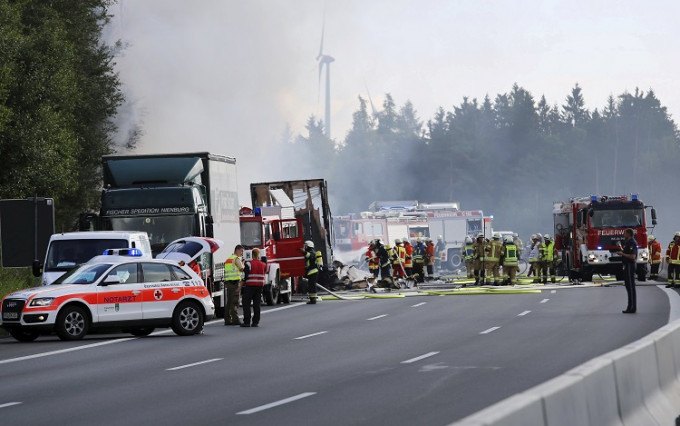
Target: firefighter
398, 256
654, 257
479, 258
493, 253
429, 258
313, 264
468, 256
673, 260
548, 259
408, 259
372, 260
534, 258
518, 243
509, 257
384, 258
419, 261
438, 250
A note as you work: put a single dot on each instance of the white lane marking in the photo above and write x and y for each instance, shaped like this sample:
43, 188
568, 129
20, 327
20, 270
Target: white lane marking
524, 313
277, 403
418, 304
63, 351
418, 358
553, 291
109, 342
310, 335
544, 300
9, 404
375, 318
194, 364
487, 331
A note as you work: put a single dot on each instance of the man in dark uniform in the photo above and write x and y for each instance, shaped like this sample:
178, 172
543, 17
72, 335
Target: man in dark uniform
629, 253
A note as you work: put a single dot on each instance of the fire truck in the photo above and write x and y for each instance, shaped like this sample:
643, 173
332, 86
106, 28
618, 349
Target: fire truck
284, 215
587, 230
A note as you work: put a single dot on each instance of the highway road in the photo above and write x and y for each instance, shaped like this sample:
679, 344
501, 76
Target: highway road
413, 360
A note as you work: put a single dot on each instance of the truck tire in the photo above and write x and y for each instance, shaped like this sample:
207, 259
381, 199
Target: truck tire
187, 319
455, 260
586, 274
268, 295
23, 335
641, 272
72, 323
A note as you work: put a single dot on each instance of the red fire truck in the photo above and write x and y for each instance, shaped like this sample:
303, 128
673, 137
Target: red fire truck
278, 226
588, 228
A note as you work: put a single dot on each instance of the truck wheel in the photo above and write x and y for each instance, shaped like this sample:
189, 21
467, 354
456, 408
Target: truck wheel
187, 319
268, 294
284, 291
23, 335
642, 272
587, 274
455, 259
72, 323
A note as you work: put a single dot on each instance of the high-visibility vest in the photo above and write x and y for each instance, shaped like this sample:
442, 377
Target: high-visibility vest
494, 251
549, 252
535, 253
256, 273
372, 260
231, 272
311, 262
510, 258
468, 252
673, 253
418, 254
655, 252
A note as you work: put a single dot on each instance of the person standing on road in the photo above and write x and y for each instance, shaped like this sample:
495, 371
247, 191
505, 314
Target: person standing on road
654, 257
629, 253
468, 256
673, 260
313, 264
429, 258
233, 267
255, 271
479, 258
509, 260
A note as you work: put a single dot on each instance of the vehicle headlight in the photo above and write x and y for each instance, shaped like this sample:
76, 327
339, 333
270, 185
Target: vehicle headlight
644, 256
41, 301
591, 257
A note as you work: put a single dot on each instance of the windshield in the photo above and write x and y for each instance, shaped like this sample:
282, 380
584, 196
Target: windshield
341, 228
84, 274
624, 218
64, 255
251, 234
161, 229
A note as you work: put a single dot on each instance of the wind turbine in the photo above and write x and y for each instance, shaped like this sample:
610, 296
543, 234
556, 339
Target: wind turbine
325, 60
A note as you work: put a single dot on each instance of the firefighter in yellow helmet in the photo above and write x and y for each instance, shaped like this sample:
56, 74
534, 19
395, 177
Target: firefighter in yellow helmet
548, 259
493, 256
313, 264
479, 258
509, 260
468, 256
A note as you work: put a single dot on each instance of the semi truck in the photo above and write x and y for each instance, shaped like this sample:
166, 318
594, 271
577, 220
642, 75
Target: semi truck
171, 196
587, 230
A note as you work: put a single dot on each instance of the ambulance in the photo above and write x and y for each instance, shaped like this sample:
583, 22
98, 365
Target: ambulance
120, 290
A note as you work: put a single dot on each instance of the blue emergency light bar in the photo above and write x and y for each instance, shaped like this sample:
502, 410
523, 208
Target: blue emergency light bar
132, 252
634, 197
593, 198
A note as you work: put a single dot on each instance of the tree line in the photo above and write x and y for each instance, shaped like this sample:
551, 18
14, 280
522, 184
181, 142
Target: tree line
509, 155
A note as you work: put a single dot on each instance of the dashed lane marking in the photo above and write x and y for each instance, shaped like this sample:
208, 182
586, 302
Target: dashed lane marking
311, 335
553, 291
544, 300
9, 404
524, 313
487, 331
418, 358
418, 304
277, 403
194, 364
375, 318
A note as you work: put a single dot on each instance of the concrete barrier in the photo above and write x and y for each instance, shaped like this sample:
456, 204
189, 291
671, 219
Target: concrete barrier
599, 391
638, 384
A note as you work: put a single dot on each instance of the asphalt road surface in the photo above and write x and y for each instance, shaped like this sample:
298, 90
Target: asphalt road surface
426, 360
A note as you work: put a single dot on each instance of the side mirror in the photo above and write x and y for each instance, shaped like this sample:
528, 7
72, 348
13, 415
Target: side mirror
36, 266
111, 279
653, 216
591, 212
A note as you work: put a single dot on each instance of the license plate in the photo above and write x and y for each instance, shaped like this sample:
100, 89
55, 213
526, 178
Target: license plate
10, 315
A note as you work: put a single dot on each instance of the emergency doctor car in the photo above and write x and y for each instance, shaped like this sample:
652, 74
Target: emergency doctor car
117, 290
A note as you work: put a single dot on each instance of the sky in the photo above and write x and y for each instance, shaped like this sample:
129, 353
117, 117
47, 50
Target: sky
230, 76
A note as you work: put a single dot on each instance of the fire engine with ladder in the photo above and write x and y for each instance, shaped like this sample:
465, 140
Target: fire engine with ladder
588, 228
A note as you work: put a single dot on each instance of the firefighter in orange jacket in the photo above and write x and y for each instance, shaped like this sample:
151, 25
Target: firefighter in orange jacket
372, 260
408, 260
673, 260
429, 258
654, 257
